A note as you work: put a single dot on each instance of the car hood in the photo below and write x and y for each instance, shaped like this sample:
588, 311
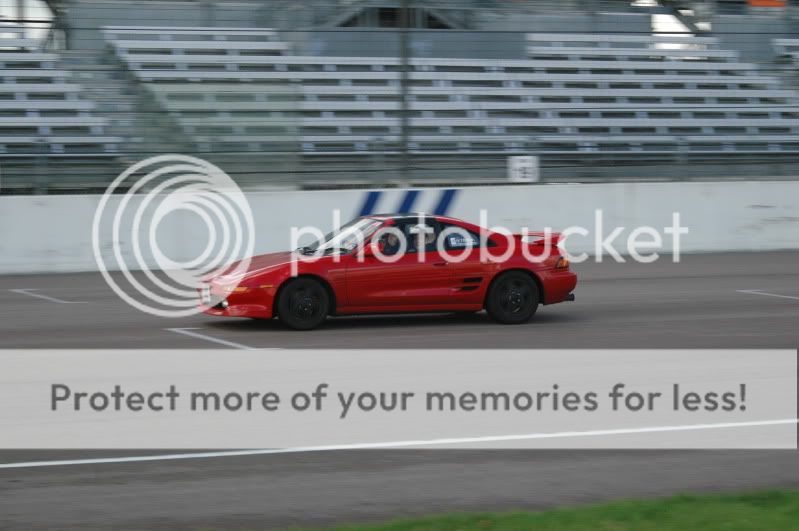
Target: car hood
243, 269
267, 261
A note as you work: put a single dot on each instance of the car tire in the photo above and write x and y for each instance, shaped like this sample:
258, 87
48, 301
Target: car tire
512, 298
303, 304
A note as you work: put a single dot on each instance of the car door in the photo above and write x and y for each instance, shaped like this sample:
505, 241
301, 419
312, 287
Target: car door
406, 282
471, 275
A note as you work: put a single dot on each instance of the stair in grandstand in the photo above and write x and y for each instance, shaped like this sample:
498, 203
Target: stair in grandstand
51, 136
245, 126
130, 112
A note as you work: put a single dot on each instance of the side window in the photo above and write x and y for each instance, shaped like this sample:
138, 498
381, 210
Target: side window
391, 242
422, 236
458, 238
414, 234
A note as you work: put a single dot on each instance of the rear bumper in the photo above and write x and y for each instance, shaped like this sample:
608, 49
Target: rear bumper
558, 286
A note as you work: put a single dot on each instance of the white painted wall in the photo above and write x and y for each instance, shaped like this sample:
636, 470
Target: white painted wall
53, 233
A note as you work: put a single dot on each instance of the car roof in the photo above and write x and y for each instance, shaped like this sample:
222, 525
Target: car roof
416, 215
407, 215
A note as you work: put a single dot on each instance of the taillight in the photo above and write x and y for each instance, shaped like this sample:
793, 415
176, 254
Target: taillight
562, 263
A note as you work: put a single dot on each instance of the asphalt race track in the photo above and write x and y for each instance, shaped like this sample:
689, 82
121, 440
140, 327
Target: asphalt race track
695, 303
728, 300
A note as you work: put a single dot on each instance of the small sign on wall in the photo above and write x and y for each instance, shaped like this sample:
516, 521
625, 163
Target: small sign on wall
523, 169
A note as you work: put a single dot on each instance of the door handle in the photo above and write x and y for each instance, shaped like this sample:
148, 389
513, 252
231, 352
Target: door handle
439, 264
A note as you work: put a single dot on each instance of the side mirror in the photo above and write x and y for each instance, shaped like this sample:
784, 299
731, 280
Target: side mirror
374, 248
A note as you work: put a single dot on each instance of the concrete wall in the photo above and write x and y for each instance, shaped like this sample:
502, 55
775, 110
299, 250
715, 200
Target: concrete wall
85, 17
501, 32
53, 233
599, 22
423, 43
752, 35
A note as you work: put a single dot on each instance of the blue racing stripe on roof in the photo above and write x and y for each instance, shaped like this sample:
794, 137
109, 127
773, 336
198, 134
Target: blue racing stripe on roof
447, 196
369, 203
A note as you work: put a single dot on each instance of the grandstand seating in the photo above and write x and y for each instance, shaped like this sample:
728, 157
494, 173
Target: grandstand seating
787, 49
576, 93
685, 91
203, 77
38, 102
41, 111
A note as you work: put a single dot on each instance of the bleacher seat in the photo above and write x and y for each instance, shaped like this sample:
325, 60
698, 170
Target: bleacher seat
787, 49
41, 111
576, 93
693, 96
787, 60
201, 77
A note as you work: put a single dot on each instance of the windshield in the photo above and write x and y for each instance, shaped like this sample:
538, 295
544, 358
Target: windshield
346, 238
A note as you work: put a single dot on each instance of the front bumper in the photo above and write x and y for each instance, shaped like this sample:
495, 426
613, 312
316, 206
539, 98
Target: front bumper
222, 302
259, 311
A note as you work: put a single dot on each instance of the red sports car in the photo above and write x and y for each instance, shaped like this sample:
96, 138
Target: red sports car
398, 263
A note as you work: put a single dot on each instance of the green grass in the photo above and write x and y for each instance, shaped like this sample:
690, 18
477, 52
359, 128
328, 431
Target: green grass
767, 510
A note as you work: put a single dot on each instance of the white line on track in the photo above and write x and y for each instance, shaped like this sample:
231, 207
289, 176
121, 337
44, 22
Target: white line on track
29, 292
760, 292
399, 444
190, 332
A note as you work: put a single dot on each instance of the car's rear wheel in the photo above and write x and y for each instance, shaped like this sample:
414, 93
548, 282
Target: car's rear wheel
513, 298
303, 304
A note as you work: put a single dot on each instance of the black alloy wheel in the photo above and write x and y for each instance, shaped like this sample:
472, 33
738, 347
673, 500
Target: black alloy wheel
303, 304
513, 298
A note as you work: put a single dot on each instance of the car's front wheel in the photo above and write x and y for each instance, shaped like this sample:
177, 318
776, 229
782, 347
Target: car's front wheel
513, 298
303, 304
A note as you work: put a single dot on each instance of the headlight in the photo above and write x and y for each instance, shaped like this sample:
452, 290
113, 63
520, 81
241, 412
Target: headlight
236, 289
